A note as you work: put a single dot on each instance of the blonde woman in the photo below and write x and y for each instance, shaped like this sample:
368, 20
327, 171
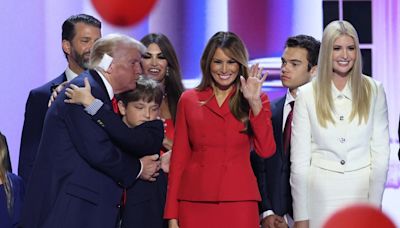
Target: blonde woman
11, 191
340, 138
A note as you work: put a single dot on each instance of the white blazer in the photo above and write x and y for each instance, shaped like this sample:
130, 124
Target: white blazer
341, 147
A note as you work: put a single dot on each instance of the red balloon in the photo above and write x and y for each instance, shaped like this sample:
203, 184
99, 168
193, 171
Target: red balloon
123, 12
359, 216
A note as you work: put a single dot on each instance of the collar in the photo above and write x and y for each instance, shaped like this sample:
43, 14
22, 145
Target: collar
207, 98
69, 74
107, 85
289, 97
345, 92
208, 93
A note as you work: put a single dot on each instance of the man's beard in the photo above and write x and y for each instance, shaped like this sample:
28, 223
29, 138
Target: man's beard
80, 59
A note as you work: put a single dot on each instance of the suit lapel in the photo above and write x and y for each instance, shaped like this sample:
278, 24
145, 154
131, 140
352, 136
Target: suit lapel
98, 79
57, 81
207, 98
104, 95
277, 121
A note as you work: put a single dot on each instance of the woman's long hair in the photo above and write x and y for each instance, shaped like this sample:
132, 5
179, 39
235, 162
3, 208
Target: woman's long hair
360, 87
234, 48
3, 174
173, 80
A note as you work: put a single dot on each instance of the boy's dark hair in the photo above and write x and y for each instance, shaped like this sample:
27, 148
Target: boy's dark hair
309, 43
146, 89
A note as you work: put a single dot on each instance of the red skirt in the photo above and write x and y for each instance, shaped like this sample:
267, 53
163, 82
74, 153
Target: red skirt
240, 214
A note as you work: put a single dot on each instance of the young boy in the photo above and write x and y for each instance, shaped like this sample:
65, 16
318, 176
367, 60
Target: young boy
136, 106
142, 104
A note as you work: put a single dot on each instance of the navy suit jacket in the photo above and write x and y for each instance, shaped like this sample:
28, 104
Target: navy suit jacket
79, 174
145, 200
145, 204
35, 112
18, 189
273, 173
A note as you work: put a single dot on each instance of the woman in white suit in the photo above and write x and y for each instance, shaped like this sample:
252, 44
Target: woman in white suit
340, 137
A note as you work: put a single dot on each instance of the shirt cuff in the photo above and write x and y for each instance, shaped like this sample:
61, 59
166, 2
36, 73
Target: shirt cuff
94, 107
141, 169
266, 213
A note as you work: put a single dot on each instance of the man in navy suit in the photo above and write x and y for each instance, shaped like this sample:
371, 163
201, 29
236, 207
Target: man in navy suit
79, 32
145, 200
79, 174
299, 62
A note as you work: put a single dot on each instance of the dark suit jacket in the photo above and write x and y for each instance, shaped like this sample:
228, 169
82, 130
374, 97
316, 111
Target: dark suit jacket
273, 173
145, 204
35, 111
18, 190
145, 200
79, 174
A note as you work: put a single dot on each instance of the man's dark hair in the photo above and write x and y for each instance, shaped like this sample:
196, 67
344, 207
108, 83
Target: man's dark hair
68, 27
310, 44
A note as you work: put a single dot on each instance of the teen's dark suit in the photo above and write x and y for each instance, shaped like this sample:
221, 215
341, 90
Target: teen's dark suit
79, 174
273, 173
35, 111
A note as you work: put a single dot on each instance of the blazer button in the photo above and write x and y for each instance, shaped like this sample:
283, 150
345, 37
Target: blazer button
342, 162
342, 140
118, 205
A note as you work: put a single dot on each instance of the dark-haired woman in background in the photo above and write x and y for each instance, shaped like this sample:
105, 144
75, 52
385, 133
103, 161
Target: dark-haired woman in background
160, 62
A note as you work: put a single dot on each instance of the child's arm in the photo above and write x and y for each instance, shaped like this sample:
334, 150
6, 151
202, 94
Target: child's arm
79, 95
148, 135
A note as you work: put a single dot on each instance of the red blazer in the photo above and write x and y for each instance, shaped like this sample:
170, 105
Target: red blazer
211, 157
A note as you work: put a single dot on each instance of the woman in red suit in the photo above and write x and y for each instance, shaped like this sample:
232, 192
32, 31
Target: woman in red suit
211, 183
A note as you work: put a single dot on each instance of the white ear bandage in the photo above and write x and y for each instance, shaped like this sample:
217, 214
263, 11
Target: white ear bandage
105, 62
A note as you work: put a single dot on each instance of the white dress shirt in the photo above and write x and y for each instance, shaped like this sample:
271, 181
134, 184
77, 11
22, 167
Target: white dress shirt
286, 110
69, 74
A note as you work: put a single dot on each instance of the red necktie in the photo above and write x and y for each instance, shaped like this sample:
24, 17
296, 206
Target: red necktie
114, 103
287, 131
